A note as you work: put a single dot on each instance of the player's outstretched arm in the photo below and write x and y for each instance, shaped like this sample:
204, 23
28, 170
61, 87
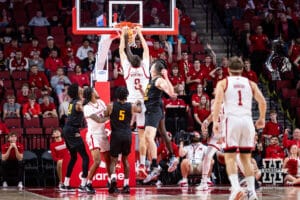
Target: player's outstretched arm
165, 84
144, 44
262, 106
122, 46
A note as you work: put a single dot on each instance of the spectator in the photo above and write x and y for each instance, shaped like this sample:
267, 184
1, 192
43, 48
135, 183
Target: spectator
70, 61
197, 96
12, 48
201, 112
88, 63
38, 80
194, 77
31, 109
2, 91
194, 155
216, 75
11, 109
18, 63
23, 34
3, 61
244, 40
83, 50
46, 51
53, 61
80, 78
193, 38
4, 18
12, 158
44, 92
248, 73
37, 60
287, 30
38, 20
165, 177
269, 26
294, 51
118, 74
290, 165
156, 23
64, 105
272, 127
155, 50
3, 128
68, 45
58, 82
22, 97
232, 12
48, 108
274, 151
34, 48
175, 77
183, 61
287, 143
58, 150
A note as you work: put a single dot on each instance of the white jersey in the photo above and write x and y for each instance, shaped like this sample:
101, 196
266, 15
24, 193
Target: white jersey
135, 76
238, 97
98, 109
195, 152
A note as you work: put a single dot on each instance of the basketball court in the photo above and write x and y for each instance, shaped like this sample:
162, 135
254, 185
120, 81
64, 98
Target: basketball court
149, 192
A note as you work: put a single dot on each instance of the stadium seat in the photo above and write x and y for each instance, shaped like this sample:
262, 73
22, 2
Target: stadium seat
197, 49
48, 168
18, 84
31, 166
51, 122
13, 122
33, 131
18, 131
19, 75
8, 84
32, 123
5, 75
287, 93
282, 84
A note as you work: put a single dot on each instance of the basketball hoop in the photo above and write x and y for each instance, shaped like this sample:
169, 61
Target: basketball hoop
130, 31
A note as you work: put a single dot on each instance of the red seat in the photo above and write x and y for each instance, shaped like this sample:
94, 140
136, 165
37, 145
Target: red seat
36, 131
32, 123
57, 31
294, 102
13, 122
5, 75
48, 131
35, 142
8, 84
197, 49
18, 131
51, 122
19, 75
288, 93
184, 47
282, 84
19, 83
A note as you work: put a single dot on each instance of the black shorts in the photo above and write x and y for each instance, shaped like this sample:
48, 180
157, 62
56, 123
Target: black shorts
69, 133
120, 144
153, 115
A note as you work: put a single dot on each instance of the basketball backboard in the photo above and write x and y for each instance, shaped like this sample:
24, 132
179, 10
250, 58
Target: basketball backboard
100, 16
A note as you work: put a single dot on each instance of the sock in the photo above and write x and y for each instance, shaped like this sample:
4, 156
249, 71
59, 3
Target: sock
83, 182
67, 181
89, 182
113, 176
143, 160
153, 164
184, 179
204, 178
126, 182
250, 183
234, 180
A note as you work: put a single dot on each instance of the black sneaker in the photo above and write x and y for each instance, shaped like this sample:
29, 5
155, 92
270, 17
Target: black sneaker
126, 190
82, 189
64, 188
89, 189
113, 186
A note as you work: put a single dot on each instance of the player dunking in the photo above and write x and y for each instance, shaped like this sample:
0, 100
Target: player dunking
236, 93
154, 115
74, 142
136, 75
120, 113
96, 137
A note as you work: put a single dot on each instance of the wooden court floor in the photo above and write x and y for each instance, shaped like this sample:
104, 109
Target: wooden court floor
148, 193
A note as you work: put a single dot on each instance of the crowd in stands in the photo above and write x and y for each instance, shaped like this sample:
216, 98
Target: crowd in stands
36, 69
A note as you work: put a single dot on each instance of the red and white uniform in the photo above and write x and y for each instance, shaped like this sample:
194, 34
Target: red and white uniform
238, 124
96, 137
58, 150
137, 79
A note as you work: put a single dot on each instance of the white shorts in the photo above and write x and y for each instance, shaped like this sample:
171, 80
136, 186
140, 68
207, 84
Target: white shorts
239, 132
97, 141
216, 142
140, 117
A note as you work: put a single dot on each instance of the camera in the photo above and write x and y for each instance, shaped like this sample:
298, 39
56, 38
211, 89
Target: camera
187, 137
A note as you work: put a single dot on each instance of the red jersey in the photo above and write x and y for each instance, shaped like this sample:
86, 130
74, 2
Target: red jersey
162, 150
12, 155
3, 128
38, 80
206, 69
274, 151
80, 79
251, 75
58, 150
70, 63
175, 80
184, 67
21, 99
10, 51
259, 42
169, 103
53, 63
196, 97
202, 113
154, 53
36, 110
272, 128
288, 143
49, 107
193, 76
119, 81
295, 52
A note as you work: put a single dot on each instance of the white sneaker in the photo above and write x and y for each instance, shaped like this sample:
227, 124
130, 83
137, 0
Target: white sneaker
237, 194
153, 175
4, 184
172, 164
158, 183
203, 186
183, 183
252, 195
20, 185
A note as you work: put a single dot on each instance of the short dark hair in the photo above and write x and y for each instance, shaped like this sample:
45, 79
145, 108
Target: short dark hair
159, 65
73, 91
87, 95
121, 93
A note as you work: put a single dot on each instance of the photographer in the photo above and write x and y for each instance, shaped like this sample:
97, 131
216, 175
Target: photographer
194, 154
